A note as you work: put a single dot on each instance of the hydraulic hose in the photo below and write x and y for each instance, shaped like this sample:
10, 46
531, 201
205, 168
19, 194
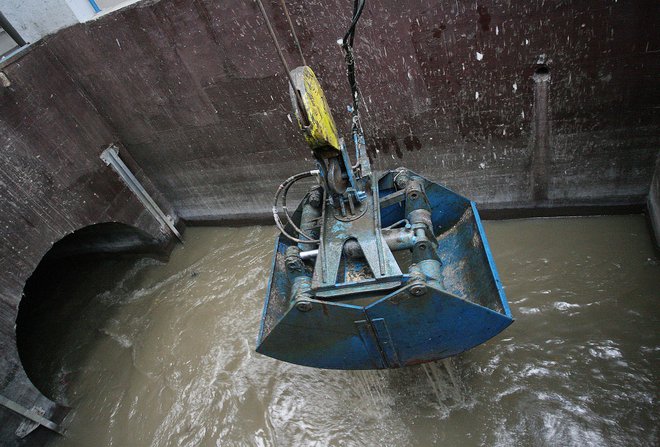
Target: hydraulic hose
283, 190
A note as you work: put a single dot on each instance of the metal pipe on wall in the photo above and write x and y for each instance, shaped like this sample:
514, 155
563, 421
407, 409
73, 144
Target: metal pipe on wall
4, 23
94, 6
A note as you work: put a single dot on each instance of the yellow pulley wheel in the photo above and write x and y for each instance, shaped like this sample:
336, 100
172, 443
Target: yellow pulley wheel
313, 114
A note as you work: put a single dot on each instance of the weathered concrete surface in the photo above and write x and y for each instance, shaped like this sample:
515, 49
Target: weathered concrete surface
52, 183
195, 93
33, 19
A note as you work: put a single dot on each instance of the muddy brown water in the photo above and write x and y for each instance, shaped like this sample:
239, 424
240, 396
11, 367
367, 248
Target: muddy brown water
152, 354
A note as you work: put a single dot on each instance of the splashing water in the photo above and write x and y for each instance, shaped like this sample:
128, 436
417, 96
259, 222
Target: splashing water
153, 354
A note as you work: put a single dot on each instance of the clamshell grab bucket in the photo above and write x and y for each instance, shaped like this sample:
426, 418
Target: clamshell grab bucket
378, 326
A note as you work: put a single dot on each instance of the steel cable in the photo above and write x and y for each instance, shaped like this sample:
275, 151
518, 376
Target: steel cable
293, 31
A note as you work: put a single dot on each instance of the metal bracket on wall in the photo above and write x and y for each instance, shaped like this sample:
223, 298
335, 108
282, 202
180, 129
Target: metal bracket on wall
32, 415
111, 157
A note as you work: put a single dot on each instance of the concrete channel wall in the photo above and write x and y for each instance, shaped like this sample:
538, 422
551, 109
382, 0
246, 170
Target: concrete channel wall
653, 205
525, 107
52, 183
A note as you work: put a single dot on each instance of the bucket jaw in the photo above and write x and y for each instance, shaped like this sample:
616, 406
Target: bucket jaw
404, 276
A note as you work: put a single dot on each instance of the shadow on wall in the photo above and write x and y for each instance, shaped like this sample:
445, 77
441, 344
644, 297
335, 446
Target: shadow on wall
61, 291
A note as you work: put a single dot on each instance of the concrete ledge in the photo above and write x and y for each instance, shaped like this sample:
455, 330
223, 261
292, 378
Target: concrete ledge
486, 213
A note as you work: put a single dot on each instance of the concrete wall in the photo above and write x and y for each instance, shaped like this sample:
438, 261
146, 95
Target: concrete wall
34, 19
52, 183
82, 9
194, 91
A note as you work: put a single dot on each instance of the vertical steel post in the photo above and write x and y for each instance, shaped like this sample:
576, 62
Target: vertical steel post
31, 415
4, 23
111, 157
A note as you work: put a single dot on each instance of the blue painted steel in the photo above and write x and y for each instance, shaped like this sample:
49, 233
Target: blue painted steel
388, 348
276, 250
435, 325
94, 6
370, 340
347, 162
461, 304
491, 262
447, 206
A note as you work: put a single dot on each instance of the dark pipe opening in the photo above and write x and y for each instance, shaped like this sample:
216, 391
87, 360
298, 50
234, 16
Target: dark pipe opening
63, 292
542, 70
541, 73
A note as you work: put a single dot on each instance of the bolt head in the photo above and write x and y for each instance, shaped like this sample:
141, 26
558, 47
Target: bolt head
304, 306
418, 289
